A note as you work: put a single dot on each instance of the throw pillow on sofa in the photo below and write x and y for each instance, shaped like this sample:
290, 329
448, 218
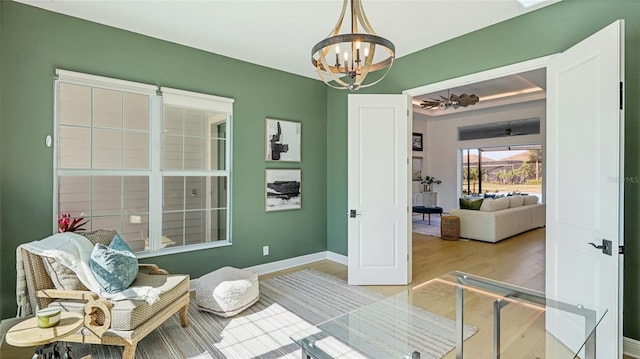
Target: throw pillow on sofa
115, 267
472, 204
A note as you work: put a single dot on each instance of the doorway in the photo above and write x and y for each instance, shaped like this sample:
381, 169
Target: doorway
512, 117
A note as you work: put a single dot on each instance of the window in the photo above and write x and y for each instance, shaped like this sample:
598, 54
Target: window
153, 165
502, 170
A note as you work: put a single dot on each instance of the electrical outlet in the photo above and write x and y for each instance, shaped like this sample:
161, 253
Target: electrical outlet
265, 250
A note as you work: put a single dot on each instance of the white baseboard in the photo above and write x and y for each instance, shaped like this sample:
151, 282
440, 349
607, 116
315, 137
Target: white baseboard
631, 347
338, 258
271, 267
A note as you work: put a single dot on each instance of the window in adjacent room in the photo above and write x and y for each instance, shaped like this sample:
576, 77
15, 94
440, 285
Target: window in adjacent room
502, 170
153, 165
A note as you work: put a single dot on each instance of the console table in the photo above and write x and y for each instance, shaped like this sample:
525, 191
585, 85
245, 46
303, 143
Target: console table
427, 199
486, 319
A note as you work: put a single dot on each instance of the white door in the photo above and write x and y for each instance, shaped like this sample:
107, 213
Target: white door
584, 184
378, 198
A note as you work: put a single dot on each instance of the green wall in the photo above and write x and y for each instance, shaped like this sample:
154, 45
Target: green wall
543, 32
34, 42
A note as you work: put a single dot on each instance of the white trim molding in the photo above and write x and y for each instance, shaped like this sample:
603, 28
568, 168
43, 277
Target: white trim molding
271, 267
631, 347
79, 78
338, 258
196, 100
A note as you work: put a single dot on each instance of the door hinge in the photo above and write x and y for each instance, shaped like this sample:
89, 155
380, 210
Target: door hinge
620, 249
407, 257
621, 94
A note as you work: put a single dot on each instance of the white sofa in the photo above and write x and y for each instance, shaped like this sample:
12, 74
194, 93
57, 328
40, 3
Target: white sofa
501, 218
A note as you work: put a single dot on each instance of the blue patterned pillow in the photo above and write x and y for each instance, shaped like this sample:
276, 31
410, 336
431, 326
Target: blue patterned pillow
115, 267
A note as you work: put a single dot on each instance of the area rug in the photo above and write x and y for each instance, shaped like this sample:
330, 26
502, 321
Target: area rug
423, 227
288, 305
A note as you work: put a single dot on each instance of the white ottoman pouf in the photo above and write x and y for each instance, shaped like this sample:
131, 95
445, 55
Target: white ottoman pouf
226, 291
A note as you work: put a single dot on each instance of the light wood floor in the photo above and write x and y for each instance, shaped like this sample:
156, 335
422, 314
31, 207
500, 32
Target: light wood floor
519, 260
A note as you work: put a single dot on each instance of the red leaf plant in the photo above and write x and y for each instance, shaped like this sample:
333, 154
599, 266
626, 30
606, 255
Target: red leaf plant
68, 224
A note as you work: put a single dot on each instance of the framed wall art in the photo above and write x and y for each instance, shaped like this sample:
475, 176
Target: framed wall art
416, 141
283, 189
416, 174
283, 140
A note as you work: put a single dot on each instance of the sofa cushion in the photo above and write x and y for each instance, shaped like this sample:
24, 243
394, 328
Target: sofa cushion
473, 204
127, 315
515, 201
492, 205
62, 277
528, 200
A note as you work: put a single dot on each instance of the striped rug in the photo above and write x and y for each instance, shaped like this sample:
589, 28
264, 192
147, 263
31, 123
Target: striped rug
288, 305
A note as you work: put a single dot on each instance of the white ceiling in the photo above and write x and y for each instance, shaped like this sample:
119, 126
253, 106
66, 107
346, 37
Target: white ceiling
522, 87
280, 33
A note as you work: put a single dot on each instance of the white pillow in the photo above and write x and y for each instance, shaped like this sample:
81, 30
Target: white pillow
530, 200
492, 205
515, 201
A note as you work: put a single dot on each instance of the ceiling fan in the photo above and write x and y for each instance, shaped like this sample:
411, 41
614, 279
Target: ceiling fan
509, 132
453, 101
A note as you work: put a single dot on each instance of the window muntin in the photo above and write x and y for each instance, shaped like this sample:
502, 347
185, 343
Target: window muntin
163, 198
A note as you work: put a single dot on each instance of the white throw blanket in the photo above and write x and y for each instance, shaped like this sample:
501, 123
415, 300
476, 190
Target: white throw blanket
74, 251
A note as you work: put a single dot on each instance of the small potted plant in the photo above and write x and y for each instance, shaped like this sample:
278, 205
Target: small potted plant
68, 224
428, 181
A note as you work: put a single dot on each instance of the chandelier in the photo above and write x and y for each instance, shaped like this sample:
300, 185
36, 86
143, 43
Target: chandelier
355, 53
453, 101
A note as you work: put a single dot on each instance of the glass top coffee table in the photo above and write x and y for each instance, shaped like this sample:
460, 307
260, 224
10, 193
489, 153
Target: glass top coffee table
457, 316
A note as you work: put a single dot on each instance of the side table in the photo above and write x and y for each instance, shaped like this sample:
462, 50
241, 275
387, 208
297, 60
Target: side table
450, 228
28, 334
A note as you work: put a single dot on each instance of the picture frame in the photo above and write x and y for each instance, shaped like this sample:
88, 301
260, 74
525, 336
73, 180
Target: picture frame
416, 141
282, 189
283, 140
416, 169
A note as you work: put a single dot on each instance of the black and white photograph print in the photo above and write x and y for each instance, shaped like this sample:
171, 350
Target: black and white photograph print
416, 141
283, 189
282, 140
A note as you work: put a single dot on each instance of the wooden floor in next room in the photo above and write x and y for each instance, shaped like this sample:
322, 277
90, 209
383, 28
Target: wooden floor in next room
519, 260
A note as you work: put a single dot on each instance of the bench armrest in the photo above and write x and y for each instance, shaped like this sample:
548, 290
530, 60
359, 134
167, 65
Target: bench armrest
152, 269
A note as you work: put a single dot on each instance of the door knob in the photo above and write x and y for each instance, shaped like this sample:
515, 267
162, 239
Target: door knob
353, 213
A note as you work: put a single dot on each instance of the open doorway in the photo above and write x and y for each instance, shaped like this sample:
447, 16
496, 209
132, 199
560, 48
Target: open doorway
494, 147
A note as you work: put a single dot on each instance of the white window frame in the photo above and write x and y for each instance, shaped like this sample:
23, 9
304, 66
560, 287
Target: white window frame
158, 98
